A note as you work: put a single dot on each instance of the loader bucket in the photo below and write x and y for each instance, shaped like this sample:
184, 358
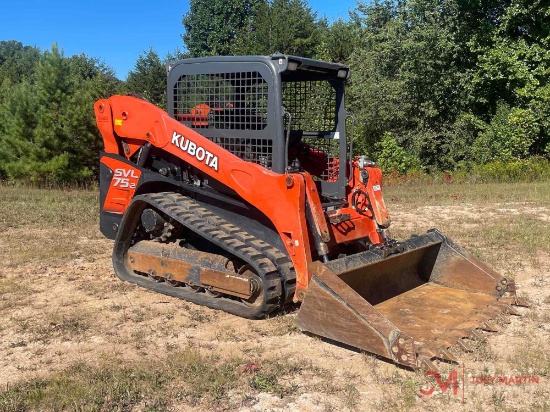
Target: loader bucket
410, 307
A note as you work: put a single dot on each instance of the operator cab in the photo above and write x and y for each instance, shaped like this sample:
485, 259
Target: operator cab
283, 112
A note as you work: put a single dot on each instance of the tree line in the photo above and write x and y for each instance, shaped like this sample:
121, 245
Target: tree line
48, 132
435, 85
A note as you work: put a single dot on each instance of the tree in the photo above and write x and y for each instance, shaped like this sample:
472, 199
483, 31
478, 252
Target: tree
511, 84
508, 137
376, 92
99, 78
93, 80
36, 146
285, 26
176, 55
47, 126
338, 40
211, 26
390, 156
413, 71
148, 78
18, 120
17, 62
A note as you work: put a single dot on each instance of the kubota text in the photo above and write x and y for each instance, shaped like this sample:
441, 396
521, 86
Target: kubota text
199, 152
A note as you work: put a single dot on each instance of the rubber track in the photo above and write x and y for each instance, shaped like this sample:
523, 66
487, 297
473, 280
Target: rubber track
269, 262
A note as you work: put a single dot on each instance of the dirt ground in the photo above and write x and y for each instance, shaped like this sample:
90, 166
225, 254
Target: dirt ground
69, 308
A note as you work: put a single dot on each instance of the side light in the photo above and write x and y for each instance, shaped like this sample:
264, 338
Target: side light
292, 65
342, 73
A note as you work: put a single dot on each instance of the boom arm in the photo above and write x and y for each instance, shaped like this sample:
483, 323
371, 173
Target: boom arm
282, 198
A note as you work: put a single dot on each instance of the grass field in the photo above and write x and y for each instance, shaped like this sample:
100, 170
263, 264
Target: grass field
74, 337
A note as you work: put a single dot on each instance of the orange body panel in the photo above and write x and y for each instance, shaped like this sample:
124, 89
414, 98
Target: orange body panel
281, 197
104, 120
123, 185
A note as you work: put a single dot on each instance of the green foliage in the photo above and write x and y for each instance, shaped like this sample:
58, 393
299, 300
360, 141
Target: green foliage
435, 72
528, 170
456, 81
540, 107
47, 125
392, 157
459, 82
17, 123
534, 169
454, 144
509, 136
338, 41
148, 78
17, 62
251, 27
211, 26
175, 56
285, 26
404, 74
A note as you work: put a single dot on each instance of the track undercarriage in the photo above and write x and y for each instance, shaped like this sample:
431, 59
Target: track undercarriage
172, 245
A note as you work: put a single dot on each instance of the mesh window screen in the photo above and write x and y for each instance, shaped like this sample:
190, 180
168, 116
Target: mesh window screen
312, 105
222, 100
225, 103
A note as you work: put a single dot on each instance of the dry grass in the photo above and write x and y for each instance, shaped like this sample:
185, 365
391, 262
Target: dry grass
35, 223
489, 193
48, 325
533, 359
29, 207
191, 376
76, 338
506, 225
186, 375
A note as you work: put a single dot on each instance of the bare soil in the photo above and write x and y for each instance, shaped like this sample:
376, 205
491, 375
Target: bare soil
70, 308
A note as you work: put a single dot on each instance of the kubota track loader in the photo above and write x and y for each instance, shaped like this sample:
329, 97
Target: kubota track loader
245, 196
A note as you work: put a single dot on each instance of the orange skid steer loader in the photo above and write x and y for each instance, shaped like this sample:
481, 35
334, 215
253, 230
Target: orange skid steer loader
245, 197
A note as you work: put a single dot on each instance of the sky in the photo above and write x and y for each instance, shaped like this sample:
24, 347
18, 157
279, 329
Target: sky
115, 32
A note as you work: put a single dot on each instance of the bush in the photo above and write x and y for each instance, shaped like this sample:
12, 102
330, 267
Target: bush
535, 169
391, 157
510, 135
530, 170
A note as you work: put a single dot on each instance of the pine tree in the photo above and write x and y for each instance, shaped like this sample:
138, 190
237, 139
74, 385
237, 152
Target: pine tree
17, 62
211, 26
18, 120
285, 26
148, 78
48, 130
